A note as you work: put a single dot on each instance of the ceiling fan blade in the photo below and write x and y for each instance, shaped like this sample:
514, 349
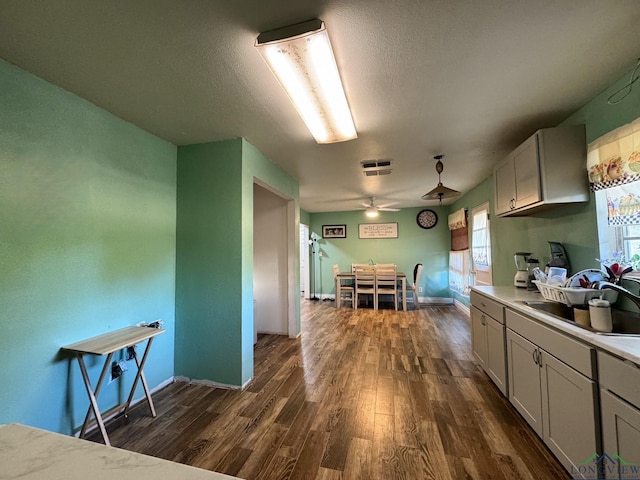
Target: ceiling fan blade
386, 209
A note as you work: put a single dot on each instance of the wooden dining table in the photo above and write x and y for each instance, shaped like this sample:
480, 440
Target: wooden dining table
342, 276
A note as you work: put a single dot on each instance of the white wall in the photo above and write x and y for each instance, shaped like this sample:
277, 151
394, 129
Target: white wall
270, 262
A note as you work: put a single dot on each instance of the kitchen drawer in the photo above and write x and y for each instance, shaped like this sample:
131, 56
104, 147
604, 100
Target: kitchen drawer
619, 376
490, 307
575, 354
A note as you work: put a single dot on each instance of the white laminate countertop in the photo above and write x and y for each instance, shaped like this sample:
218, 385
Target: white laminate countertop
28, 453
626, 347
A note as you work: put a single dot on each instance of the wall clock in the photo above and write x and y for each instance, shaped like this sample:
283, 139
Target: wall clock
427, 218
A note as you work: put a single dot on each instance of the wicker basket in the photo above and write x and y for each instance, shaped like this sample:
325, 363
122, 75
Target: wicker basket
574, 295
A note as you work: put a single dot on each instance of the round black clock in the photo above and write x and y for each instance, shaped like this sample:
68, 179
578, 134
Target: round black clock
427, 218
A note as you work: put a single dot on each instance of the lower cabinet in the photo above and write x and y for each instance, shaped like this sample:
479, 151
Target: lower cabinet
557, 401
620, 407
524, 379
488, 346
553, 381
620, 437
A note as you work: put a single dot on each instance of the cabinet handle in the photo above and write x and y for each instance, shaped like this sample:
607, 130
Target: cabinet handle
483, 320
535, 356
539, 358
512, 203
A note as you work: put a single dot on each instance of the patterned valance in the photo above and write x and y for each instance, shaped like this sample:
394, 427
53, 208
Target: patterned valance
458, 219
614, 158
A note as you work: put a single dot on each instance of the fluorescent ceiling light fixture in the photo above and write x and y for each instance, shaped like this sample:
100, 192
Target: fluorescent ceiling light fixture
301, 58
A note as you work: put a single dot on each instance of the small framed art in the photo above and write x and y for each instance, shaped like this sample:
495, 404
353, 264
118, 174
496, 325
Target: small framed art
334, 231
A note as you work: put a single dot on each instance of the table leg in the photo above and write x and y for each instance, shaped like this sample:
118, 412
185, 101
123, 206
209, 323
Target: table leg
404, 293
338, 292
93, 397
140, 376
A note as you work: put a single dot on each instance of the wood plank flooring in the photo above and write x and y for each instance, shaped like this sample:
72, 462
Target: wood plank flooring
360, 395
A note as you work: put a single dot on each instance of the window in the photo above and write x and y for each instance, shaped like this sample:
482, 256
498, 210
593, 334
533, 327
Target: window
480, 241
617, 240
613, 165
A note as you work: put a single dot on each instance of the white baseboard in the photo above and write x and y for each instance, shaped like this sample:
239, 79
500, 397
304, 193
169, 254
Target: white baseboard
430, 300
436, 300
211, 383
461, 306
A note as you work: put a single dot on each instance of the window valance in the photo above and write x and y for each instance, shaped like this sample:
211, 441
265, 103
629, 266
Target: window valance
458, 219
614, 158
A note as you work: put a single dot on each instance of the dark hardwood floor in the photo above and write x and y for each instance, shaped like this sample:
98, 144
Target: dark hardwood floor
360, 395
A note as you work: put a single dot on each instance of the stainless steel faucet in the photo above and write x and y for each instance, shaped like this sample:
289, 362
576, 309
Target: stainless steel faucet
621, 290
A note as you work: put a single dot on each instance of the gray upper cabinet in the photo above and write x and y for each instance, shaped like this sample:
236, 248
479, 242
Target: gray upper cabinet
547, 170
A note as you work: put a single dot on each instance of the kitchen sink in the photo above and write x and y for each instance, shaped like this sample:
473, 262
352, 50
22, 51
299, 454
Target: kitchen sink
624, 323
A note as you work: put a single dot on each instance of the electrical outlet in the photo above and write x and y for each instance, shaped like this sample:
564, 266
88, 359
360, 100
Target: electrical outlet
419, 289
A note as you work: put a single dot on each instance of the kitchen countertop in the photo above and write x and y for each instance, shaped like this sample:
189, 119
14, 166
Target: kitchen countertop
627, 348
32, 454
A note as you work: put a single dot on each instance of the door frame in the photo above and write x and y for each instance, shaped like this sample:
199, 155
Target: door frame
486, 273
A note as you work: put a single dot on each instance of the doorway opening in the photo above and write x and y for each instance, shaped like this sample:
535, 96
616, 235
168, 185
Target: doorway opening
274, 261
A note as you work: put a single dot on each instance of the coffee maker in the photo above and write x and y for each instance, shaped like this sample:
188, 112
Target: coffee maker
558, 256
522, 272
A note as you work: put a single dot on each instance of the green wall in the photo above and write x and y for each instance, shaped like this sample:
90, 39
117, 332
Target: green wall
574, 225
87, 246
214, 284
209, 262
413, 245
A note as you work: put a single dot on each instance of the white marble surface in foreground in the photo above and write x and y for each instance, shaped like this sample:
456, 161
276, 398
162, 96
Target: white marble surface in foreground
28, 453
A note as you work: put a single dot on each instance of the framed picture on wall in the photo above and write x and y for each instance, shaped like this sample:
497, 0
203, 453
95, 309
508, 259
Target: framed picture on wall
334, 231
378, 230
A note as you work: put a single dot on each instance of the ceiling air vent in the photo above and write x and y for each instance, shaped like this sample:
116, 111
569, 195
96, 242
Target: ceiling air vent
374, 168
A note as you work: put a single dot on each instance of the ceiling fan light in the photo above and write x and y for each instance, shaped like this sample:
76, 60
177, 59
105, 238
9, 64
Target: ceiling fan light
371, 212
301, 58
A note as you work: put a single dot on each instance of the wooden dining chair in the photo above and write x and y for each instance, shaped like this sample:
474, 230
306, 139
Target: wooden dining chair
346, 291
362, 265
387, 282
414, 288
365, 284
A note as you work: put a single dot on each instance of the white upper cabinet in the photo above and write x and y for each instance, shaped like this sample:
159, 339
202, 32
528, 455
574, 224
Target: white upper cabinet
548, 169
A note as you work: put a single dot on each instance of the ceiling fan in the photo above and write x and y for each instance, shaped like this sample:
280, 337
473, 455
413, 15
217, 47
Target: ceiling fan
371, 209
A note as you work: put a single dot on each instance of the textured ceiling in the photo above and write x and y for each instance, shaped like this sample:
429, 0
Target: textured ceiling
469, 79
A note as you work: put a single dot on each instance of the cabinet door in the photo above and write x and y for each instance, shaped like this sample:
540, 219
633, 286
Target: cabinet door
504, 186
568, 409
527, 173
524, 379
478, 336
495, 364
620, 436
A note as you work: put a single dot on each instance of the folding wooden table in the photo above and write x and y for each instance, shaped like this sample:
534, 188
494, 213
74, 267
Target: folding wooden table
107, 344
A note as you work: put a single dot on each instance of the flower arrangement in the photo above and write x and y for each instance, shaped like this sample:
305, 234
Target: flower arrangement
618, 265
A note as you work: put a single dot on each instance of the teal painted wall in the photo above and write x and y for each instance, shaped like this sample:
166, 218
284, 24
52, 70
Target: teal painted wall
413, 245
87, 246
305, 217
209, 262
214, 284
574, 225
